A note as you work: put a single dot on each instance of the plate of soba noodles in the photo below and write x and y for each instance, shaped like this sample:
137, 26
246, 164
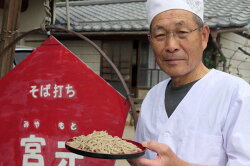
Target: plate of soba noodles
100, 144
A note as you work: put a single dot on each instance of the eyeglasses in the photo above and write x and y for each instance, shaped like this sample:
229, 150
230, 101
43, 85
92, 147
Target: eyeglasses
163, 35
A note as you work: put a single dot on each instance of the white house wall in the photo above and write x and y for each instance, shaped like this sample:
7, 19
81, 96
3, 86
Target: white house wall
80, 48
31, 18
85, 52
238, 63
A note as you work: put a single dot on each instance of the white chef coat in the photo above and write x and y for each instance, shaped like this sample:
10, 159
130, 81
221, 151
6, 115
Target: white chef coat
210, 126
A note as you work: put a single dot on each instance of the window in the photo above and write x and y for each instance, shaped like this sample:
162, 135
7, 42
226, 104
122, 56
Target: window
120, 53
149, 72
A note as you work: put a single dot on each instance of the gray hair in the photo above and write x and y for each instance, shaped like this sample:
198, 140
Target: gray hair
198, 21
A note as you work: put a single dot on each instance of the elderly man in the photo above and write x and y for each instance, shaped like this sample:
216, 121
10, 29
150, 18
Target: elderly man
198, 116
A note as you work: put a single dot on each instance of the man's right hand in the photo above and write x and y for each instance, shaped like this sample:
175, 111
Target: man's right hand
165, 156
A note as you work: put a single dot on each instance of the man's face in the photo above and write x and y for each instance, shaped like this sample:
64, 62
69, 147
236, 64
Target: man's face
177, 42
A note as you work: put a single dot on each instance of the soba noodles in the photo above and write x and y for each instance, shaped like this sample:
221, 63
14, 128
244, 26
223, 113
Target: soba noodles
102, 142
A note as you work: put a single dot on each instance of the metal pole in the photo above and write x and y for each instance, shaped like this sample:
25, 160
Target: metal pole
68, 14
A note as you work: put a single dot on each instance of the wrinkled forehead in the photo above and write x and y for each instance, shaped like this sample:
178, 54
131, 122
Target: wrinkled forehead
157, 27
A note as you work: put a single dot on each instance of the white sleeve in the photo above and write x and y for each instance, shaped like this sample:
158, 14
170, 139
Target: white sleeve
139, 133
236, 131
142, 133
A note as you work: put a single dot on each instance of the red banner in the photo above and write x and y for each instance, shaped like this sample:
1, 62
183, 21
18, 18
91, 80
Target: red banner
50, 97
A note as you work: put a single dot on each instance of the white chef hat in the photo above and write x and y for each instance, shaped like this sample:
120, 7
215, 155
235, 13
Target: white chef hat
155, 7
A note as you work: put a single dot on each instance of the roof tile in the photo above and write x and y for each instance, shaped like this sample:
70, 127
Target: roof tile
130, 15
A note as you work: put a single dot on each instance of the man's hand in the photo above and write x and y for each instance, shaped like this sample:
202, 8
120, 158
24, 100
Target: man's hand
165, 156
